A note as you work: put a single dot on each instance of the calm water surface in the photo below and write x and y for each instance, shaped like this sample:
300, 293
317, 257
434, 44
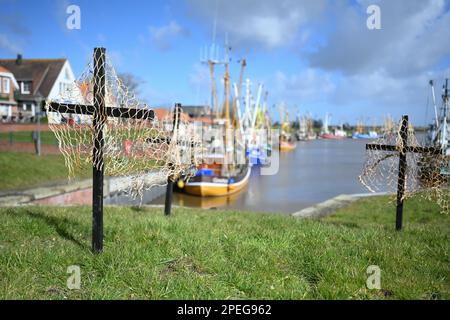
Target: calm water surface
314, 172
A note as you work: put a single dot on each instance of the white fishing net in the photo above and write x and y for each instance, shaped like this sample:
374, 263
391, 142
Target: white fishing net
424, 175
127, 140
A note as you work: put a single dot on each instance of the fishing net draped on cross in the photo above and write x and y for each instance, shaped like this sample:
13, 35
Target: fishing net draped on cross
135, 142
424, 171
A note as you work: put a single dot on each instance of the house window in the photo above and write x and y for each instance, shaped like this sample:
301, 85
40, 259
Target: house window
62, 88
26, 87
67, 74
6, 85
27, 107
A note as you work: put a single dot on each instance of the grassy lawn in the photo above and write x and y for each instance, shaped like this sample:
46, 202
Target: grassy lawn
23, 170
47, 137
222, 254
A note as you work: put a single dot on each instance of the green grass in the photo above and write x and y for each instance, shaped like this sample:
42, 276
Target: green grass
213, 254
47, 137
19, 170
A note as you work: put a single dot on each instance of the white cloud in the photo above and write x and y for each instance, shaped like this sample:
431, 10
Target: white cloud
385, 92
347, 67
412, 38
163, 36
268, 23
9, 46
386, 71
307, 86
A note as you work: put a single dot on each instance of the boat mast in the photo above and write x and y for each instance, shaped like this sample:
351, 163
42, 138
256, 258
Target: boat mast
215, 106
238, 91
434, 103
247, 104
226, 79
256, 108
444, 124
325, 125
266, 93
210, 57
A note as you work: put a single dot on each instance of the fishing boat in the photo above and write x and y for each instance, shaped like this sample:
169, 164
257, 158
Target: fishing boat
337, 134
388, 125
286, 142
368, 135
208, 202
224, 169
361, 134
214, 182
332, 136
305, 130
439, 137
287, 146
256, 126
439, 131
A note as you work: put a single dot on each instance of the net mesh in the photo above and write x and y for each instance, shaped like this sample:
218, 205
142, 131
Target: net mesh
148, 151
425, 176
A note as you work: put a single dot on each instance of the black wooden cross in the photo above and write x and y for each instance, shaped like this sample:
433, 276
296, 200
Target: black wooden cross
100, 113
170, 180
402, 165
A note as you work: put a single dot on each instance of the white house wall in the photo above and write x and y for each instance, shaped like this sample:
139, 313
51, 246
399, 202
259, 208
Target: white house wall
74, 96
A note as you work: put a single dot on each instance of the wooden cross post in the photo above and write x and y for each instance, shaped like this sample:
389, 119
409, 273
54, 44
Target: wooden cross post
100, 113
99, 120
403, 149
169, 188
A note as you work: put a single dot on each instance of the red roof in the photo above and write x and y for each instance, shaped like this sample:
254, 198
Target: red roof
205, 120
3, 69
163, 114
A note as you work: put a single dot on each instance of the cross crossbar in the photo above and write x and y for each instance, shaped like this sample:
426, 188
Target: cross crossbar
382, 147
146, 114
402, 150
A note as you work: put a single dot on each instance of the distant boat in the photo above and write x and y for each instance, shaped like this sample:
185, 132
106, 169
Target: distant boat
439, 131
361, 133
332, 136
305, 129
286, 143
369, 135
287, 146
338, 134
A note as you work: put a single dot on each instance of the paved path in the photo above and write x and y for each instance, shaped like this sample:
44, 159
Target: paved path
37, 195
12, 127
27, 147
78, 192
330, 206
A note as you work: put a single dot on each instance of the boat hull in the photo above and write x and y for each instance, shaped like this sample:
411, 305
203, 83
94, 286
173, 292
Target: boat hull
286, 146
214, 189
370, 135
332, 137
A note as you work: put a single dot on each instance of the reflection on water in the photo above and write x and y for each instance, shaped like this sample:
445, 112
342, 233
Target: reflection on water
188, 200
314, 172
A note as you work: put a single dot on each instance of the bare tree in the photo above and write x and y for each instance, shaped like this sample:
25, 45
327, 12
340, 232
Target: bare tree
130, 81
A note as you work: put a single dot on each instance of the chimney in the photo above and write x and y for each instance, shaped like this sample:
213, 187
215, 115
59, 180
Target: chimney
19, 59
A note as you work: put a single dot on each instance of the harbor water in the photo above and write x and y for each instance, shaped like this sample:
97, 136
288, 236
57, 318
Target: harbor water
314, 172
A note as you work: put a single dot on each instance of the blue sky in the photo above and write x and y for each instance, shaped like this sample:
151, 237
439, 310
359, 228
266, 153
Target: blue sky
317, 56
